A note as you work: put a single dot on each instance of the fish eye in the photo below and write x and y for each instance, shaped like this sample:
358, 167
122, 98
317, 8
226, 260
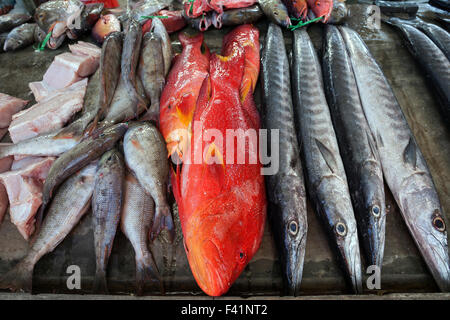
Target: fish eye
241, 256
293, 228
376, 211
341, 229
439, 224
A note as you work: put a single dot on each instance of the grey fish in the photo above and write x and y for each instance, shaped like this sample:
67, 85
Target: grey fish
110, 64
106, 208
285, 189
432, 60
146, 156
130, 60
327, 182
151, 72
397, 6
235, 17
11, 20
20, 37
357, 146
160, 31
147, 8
77, 158
276, 11
70, 204
136, 219
404, 166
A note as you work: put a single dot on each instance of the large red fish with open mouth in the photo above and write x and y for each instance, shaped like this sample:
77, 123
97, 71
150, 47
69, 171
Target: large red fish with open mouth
179, 97
221, 199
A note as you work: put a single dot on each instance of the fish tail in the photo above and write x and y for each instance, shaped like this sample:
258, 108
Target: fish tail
163, 220
19, 278
100, 286
147, 271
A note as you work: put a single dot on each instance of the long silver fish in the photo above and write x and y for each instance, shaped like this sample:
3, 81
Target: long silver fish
286, 189
432, 60
357, 146
69, 205
106, 208
327, 182
160, 31
146, 156
404, 166
136, 219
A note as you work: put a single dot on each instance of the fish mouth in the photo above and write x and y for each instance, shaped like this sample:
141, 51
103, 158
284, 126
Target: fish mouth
352, 260
294, 268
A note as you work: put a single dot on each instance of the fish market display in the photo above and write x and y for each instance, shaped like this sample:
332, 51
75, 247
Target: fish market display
404, 166
20, 37
286, 188
151, 71
77, 158
24, 188
136, 219
222, 224
68, 206
276, 11
106, 207
432, 60
326, 178
145, 156
8, 107
360, 155
106, 25
180, 93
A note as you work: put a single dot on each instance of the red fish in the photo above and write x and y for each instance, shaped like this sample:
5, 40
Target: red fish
178, 99
222, 204
297, 8
173, 23
220, 5
195, 8
321, 8
247, 36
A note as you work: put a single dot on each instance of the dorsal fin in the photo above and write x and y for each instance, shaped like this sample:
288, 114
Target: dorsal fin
410, 153
327, 156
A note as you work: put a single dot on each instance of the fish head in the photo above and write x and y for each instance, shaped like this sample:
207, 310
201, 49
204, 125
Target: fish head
111, 158
104, 26
12, 43
374, 215
281, 14
429, 230
342, 228
62, 12
222, 237
339, 13
55, 43
322, 8
290, 227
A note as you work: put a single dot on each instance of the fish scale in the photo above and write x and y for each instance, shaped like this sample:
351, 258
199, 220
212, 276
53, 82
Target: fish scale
360, 157
286, 189
325, 172
404, 167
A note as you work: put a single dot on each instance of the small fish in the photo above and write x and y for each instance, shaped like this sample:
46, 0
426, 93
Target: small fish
326, 177
75, 159
71, 202
104, 26
11, 20
297, 8
276, 11
160, 31
285, 189
151, 72
146, 157
234, 17
106, 207
130, 60
136, 219
110, 64
360, 155
20, 37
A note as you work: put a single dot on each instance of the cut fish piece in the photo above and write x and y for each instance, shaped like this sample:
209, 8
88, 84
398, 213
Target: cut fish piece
24, 189
49, 114
83, 65
23, 162
60, 76
40, 90
8, 106
5, 165
85, 48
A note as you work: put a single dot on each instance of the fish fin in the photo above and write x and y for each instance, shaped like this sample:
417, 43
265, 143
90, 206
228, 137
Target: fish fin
39, 217
91, 127
328, 156
380, 142
19, 278
410, 153
163, 220
100, 286
146, 270
373, 148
